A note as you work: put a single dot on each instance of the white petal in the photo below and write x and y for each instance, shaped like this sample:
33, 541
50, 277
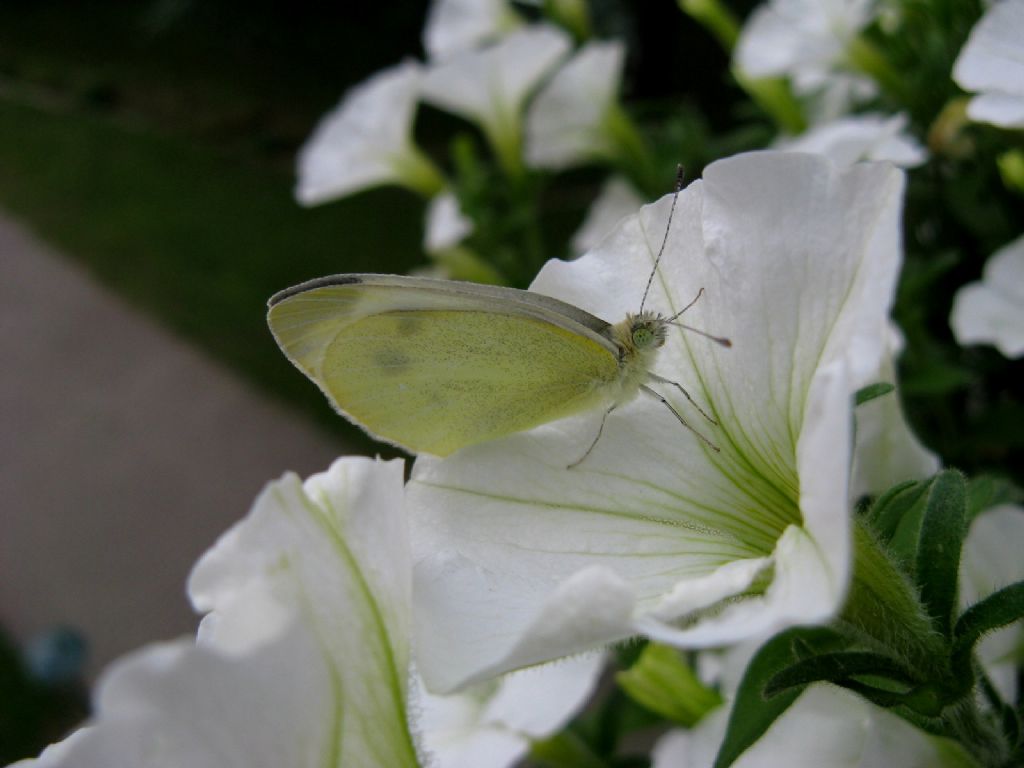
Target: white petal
848, 732
799, 261
992, 310
807, 41
862, 137
767, 46
183, 705
992, 63
540, 700
800, 38
446, 225
454, 26
304, 658
362, 141
616, 200
984, 314
991, 561
887, 451
491, 724
674, 750
516, 625
490, 85
332, 555
1005, 268
566, 123
1003, 109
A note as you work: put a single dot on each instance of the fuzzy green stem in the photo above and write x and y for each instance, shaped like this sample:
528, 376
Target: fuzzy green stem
883, 606
571, 14
864, 57
775, 96
464, 263
716, 18
565, 749
1011, 170
506, 139
975, 732
631, 151
946, 133
417, 172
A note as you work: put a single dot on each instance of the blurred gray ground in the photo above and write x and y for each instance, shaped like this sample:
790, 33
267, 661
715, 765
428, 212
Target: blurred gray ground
124, 453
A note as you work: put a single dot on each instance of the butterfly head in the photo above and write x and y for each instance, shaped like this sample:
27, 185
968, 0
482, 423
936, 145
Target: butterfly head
647, 330
639, 336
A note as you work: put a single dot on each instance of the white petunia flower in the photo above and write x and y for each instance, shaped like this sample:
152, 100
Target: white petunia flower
491, 724
991, 560
887, 452
489, 86
825, 726
852, 139
573, 119
446, 225
808, 41
991, 64
519, 560
366, 141
616, 200
454, 26
991, 311
303, 657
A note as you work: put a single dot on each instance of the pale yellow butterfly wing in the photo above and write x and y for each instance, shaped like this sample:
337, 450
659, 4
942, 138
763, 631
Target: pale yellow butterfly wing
436, 365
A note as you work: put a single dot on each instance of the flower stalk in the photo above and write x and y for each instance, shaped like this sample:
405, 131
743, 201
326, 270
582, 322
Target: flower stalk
417, 172
718, 20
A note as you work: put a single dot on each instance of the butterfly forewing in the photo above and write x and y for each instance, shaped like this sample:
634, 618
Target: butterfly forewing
435, 369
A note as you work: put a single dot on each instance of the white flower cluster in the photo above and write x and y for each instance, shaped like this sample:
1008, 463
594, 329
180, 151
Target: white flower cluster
319, 601
356, 619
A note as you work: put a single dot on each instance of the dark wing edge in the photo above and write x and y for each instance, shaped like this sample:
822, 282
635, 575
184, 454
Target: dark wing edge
536, 305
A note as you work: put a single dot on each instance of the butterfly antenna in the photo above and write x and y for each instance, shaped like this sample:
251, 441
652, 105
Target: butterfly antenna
680, 176
720, 340
695, 298
672, 321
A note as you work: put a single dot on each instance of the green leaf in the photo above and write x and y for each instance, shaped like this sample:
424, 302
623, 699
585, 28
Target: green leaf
943, 527
838, 668
997, 610
664, 683
1008, 716
753, 712
609, 719
889, 508
936, 377
871, 391
565, 750
880, 696
987, 491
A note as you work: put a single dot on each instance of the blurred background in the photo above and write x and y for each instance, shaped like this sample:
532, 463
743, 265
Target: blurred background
146, 214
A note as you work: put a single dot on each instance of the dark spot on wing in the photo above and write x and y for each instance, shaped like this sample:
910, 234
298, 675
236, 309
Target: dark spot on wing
407, 326
391, 361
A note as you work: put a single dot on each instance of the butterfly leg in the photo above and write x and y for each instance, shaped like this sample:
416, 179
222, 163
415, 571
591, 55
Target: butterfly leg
677, 385
679, 416
599, 431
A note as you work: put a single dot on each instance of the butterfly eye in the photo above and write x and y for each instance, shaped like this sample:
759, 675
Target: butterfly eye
643, 336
